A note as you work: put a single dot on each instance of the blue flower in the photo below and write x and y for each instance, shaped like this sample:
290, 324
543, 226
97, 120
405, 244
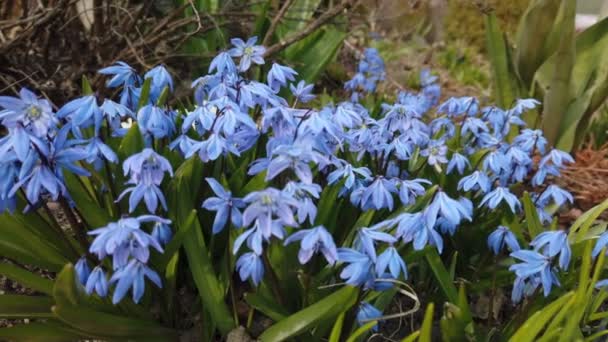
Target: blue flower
368, 313
266, 204
474, 125
247, 51
477, 180
304, 193
155, 121
132, 276
222, 64
553, 243
97, 151
502, 237
82, 270
601, 243
530, 139
250, 266
302, 92
35, 115
146, 171
534, 267
123, 75
295, 157
368, 237
557, 157
523, 105
450, 209
436, 153
160, 79
82, 112
410, 189
312, 241
391, 260
279, 75
559, 196
349, 174
377, 195
458, 162
360, 268
97, 282
225, 205
162, 232
498, 195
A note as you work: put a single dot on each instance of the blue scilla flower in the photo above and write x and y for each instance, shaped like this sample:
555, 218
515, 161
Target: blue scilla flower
202, 86
250, 266
82, 112
279, 75
557, 194
27, 111
409, 190
497, 162
122, 75
225, 206
247, 51
477, 180
115, 113
391, 260
523, 105
17, 141
162, 232
529, 139
443, 125
97, 282
413, 227
498, 195
359, 270
302, 91
268, 203
146, 171
124, 239
304, 193
230, 117
544, 170
457, 162
502, 237
368, 313
42, 170
553, 243
132, 276
129, 97
313, 241
201, 119
97, 152
454, 211
222, 64
377, 195
82, 270
368, 237
160, 79
601, 243
456, 106
534, 268
557, 158
349, 174
435, 153
212, 148
473, 125
296, 157
156, 122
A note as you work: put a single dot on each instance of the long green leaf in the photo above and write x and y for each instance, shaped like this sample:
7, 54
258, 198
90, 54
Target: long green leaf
203, 273
499, 61
19, 306
26, 278
442, 275
535, 227
426, 330
535, 323
361, 331
36, 332
304, 320
268, 308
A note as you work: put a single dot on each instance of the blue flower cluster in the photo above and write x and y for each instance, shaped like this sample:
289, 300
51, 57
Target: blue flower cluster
458, 153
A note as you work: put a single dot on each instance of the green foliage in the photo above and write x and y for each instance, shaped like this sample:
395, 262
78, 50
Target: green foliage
551, 64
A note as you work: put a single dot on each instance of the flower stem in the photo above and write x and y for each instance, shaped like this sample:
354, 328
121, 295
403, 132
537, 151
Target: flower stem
274, 281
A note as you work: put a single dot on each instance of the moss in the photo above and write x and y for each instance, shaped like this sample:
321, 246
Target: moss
466, 22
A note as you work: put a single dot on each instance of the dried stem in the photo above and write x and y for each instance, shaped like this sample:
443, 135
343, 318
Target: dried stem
275, 22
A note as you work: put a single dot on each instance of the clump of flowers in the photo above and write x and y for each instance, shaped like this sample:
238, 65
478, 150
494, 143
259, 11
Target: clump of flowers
423, 167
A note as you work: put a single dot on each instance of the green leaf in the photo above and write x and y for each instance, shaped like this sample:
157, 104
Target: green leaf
26, 278
412, 337
203, 273
108, 325
19, 306
304, 320
361, 331
533, 223
442, 275
164, 95
426, 330
65, 289
144, 98
86, 86
89, 209
132, 143
312, 55
336, 331
535, 26
327, 203
46, 332
559, 94
580, 227
535, 323
265, 306
499, 61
